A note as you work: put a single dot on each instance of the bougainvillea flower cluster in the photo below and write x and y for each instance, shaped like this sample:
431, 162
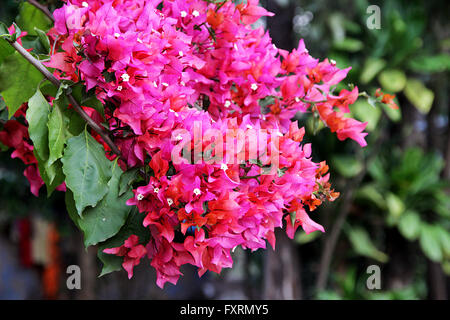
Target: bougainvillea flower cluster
175, 69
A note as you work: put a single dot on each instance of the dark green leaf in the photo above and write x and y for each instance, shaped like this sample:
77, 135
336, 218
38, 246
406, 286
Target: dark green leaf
363, 245
87, 170
18, 81
37, 117
30, 18
103, 221
430, 243
132, 226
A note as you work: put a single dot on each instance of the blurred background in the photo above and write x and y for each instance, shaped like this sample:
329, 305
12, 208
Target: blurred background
394, 208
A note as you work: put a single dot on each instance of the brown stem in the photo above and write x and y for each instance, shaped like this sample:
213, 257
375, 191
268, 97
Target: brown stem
43, 8
39, 66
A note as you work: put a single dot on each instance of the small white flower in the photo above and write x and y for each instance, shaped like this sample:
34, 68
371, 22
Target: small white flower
297, 99
179, 137
180, 53
116, 35
140, 197
139, 40
125, 77
195, 13
249, 126
279, 134
119, 88
197, 191
182, 83
333, 62
254, 86
156, 190
85, 4
183, 14
165, 84
223, 166
169, 201
227, 103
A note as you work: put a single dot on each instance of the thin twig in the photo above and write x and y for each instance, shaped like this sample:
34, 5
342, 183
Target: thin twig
39, 66
43, 8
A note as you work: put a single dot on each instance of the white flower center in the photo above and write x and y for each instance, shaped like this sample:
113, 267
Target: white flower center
197, 191
116, 35
85, 4
125, 77
169, 201
195, 13
183, 14
156, 190
227, 103
119, 88
223, 166
254, 86
140, 196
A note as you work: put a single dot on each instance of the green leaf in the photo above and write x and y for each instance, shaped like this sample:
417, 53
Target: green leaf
87, 170
127, 179
33, 42
30, 18
43, 39
430, 243
371, 68
364, 112
420, 96
71, 209
363, 245
87, 99
5, 49
348, 44
429, 64
395, 206
57, 125
393, 80
105, 219
51, 174
347, 166
37, 118
3, 29
18, 81
394, 114
444, 238
409, 225
132, 226
303, 237
369, 192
